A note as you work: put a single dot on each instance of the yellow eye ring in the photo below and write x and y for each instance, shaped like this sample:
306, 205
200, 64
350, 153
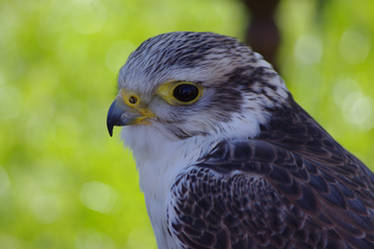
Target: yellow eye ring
130, 98
180, 93
133, 100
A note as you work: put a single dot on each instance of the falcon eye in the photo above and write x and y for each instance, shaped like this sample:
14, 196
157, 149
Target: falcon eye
186, 93
180, 92
133, 100
130, 98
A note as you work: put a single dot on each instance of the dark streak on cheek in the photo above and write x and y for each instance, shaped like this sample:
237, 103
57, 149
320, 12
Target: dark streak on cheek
225, 102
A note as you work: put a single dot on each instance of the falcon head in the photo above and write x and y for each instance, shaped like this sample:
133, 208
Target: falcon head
188, 84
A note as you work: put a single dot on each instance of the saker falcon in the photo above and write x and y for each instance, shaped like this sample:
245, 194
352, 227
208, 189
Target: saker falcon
227, 158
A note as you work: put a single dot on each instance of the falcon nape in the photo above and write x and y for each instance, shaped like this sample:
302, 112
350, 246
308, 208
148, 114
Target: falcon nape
227, 158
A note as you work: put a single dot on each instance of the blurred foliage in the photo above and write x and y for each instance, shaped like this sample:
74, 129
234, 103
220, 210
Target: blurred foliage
63, 182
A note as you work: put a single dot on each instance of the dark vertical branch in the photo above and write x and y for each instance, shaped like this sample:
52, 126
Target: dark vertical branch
262, 33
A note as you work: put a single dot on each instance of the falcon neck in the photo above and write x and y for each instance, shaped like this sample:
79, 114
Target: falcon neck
293, 128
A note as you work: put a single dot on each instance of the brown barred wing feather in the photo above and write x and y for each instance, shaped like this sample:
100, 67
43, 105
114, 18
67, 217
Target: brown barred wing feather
254, 194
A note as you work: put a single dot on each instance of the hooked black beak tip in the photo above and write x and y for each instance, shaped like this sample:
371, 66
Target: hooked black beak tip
110, 128
113, 118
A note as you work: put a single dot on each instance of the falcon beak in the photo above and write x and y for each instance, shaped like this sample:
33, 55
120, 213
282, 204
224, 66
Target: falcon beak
120, 114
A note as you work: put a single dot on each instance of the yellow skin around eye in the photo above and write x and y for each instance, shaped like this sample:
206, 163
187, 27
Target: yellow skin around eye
166, 90
126, 98
145, 113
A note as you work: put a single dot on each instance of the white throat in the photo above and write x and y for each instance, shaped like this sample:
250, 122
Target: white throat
159, 155
159, 159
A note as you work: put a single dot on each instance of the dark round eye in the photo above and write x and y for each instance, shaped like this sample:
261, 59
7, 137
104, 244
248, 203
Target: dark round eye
133, 100
186, 92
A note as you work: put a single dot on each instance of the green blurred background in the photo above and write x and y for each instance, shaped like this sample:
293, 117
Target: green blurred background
64, 183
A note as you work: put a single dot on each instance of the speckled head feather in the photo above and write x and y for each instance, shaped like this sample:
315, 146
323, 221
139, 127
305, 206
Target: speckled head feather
205, 57
238, 83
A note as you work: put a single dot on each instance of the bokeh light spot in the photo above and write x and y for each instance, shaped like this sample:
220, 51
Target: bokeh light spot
342, 88
93, 240
354, 46
357, 110
308, 49
98, 196
46, 207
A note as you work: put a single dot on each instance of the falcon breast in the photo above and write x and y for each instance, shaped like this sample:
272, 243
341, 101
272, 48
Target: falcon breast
227, 158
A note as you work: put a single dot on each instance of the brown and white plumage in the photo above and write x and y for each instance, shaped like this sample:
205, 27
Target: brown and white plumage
243, 166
